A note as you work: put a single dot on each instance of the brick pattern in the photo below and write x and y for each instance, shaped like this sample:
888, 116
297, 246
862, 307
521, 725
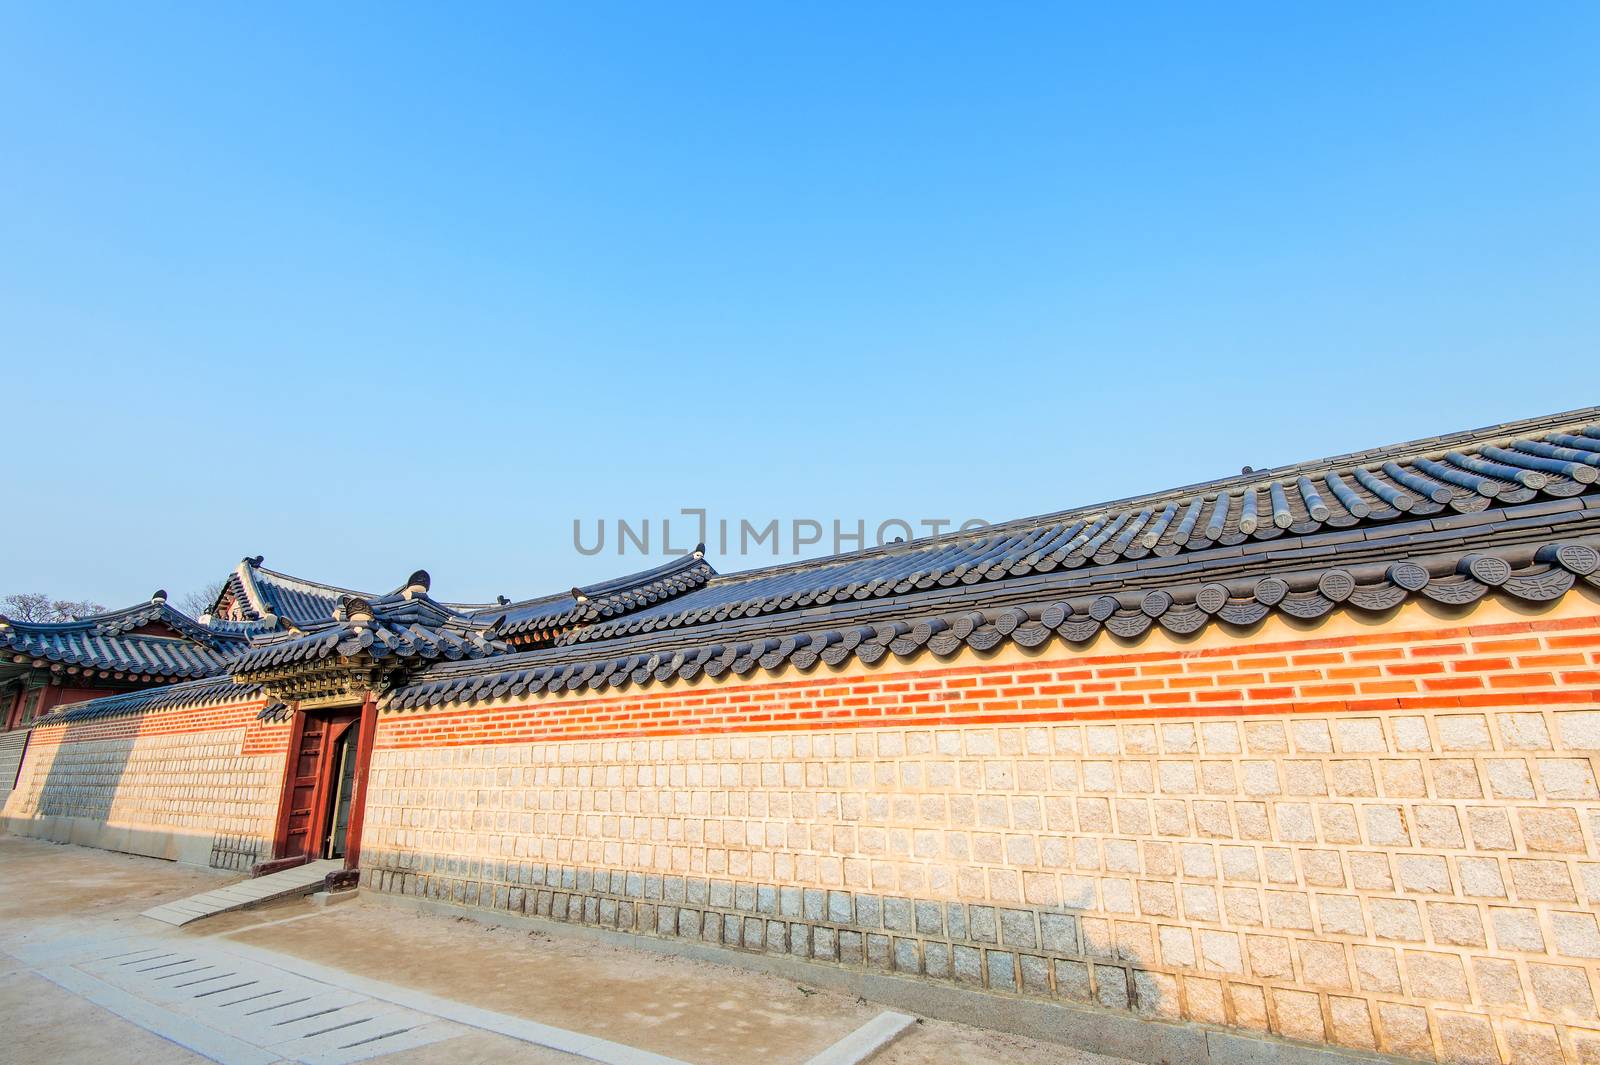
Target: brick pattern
1417, 876
210, 771
260, 737
1538, 663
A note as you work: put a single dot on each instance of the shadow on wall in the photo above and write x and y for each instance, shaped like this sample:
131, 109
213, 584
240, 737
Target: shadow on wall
79, 787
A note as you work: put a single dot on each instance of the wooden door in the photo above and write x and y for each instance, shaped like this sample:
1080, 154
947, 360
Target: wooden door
305, 786
324, 786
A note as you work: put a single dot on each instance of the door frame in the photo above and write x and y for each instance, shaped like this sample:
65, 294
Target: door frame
328, 779
365, 721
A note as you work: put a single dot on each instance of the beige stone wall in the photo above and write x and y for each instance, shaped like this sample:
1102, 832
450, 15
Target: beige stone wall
11, 747
1347, 878
1420, 876
198, 797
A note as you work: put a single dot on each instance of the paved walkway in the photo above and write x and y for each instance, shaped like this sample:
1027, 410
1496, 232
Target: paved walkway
84, 978
241, 1005
301, 880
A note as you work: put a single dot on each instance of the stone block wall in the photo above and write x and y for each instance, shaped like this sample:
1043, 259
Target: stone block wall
1382, 836
199, 785
11, 748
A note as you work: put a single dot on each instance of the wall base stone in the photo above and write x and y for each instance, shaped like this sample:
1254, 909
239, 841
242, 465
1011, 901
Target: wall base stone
1086, 1027
149, 841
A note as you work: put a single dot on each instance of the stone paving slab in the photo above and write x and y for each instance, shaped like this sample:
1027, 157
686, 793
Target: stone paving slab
243, 1011
204, 1041
865, 1041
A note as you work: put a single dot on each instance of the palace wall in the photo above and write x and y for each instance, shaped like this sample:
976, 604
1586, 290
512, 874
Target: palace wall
198, 785
1381, 834
11, 748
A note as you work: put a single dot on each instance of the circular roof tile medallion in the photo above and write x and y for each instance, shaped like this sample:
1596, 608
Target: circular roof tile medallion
967, 623
1489, 569
1271, 590
1156, 603
1103, 607
1336, 584
1578, 558
1007, 620
1211, 598
1408, 575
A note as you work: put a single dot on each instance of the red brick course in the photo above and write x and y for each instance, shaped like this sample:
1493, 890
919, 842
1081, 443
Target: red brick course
259, 738
1506, 664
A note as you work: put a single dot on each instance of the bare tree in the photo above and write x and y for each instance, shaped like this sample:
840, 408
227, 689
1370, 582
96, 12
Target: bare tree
201, 599
38, 607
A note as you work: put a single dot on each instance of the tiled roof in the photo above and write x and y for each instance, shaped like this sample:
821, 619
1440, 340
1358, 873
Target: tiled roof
609, 599
213, 691
106, 642
1528, 573
1361, 531
403, 626
262, 592
1513, 509
1460, 475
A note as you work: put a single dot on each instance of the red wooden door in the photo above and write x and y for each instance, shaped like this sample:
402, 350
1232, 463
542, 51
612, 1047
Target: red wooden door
305, 784
310, 799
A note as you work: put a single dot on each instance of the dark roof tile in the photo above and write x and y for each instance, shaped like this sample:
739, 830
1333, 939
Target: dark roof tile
213, 691
1535, 573
1345, 532
109, 643
396, 627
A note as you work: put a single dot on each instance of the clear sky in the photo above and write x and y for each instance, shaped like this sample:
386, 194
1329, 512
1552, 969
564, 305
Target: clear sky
367, 287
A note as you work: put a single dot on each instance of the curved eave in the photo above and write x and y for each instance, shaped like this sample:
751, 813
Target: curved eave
379, 642
214, 691
1528, 573
113, 654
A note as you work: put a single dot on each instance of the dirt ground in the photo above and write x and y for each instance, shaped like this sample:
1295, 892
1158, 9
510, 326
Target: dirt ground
700, 1012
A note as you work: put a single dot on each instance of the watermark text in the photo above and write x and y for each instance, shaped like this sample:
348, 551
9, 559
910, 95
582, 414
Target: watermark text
769, 537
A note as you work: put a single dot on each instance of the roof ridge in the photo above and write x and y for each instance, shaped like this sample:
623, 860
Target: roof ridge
611, 584
686, 561
308, 583
90, 621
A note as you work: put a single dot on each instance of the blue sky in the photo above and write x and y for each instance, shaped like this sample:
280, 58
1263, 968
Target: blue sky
371, 287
